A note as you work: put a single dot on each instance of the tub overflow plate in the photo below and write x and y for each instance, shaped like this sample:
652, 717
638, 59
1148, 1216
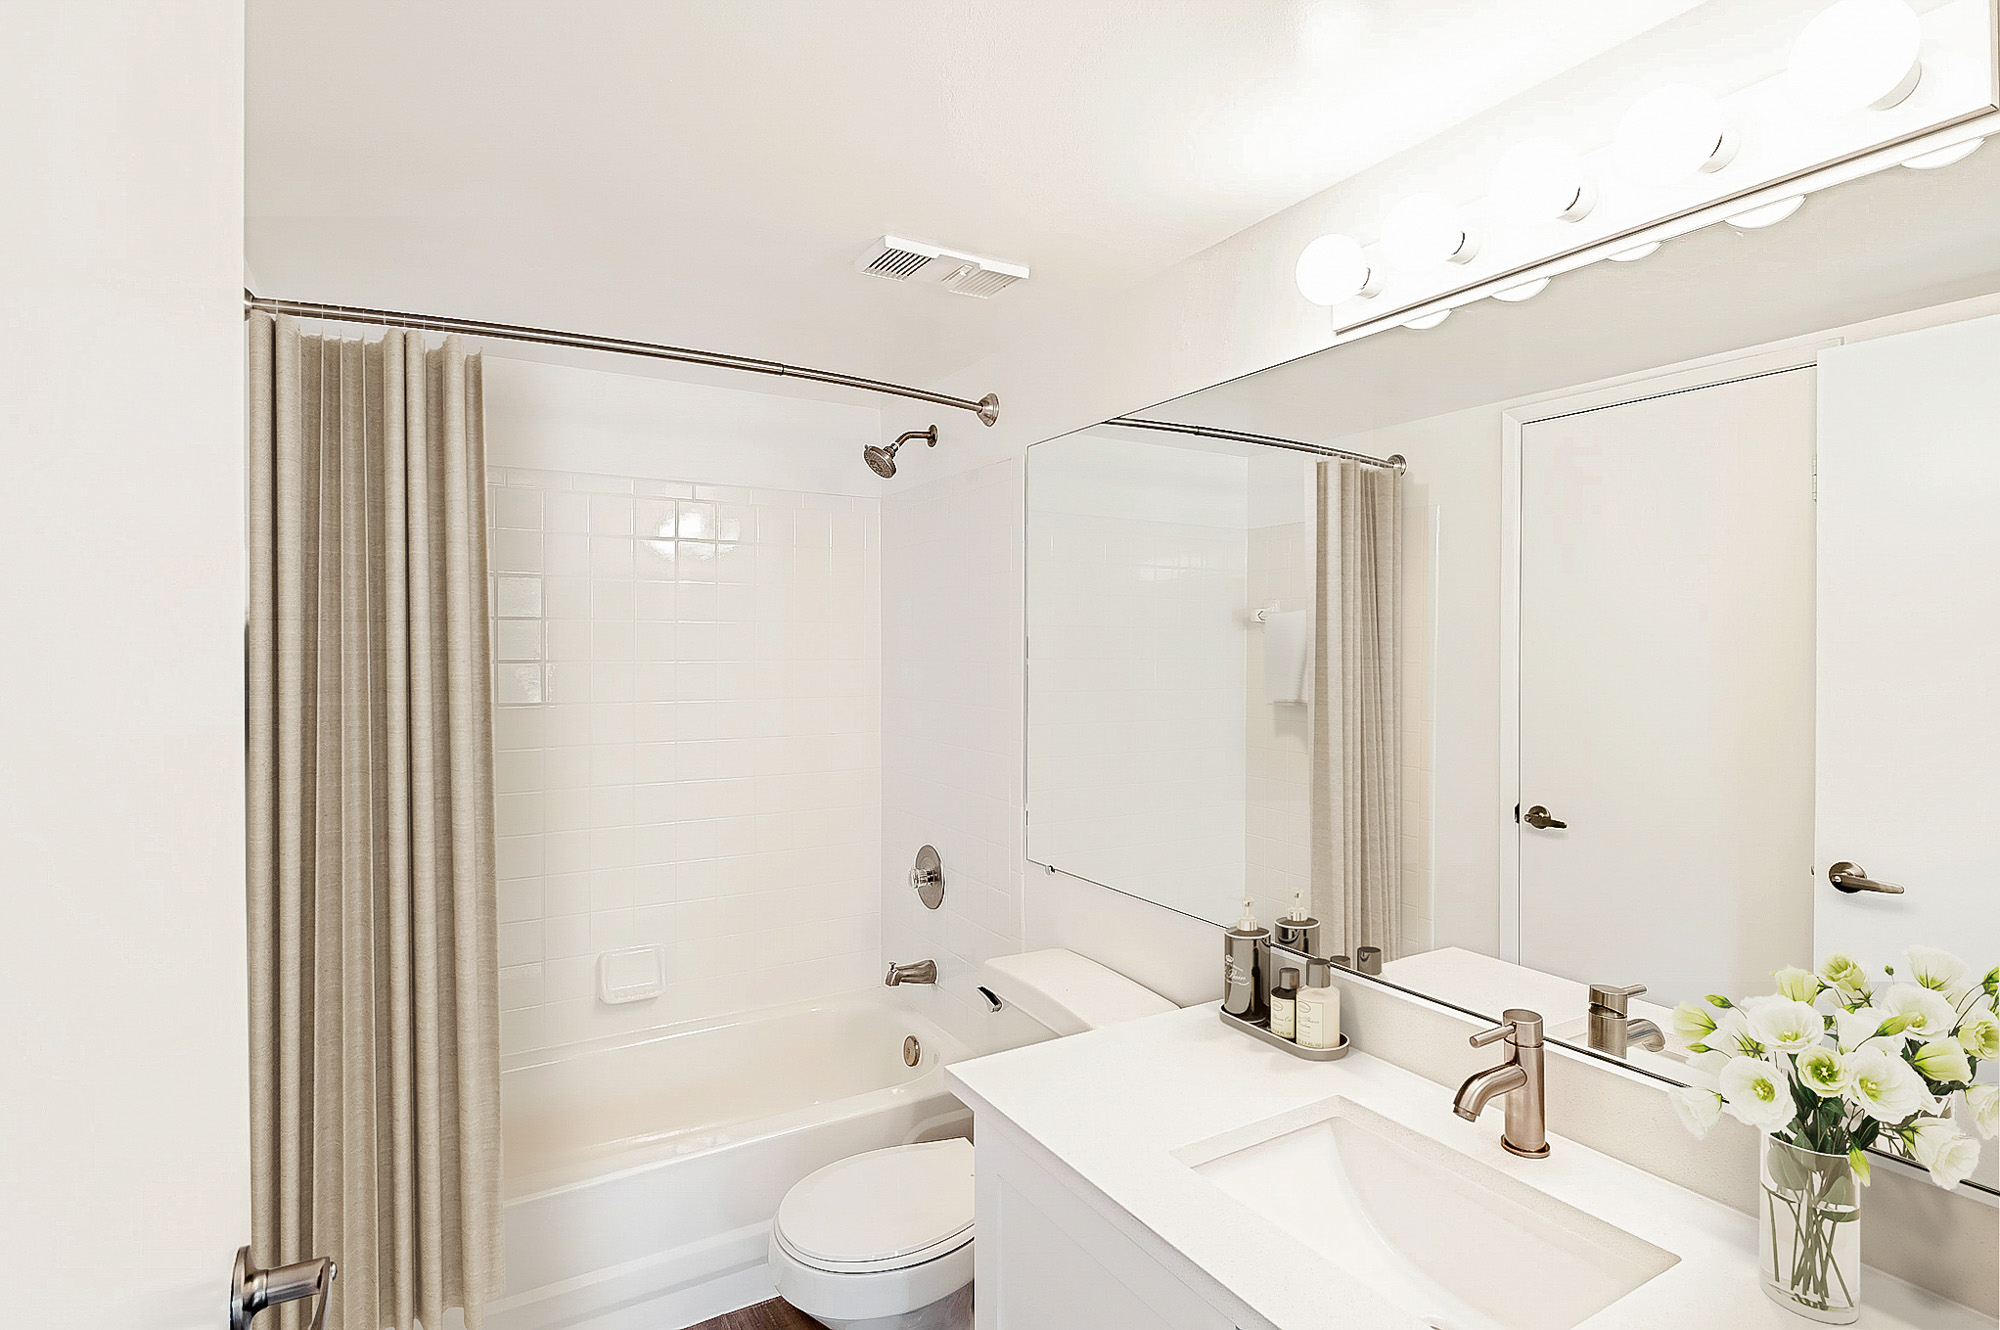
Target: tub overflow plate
913, 1052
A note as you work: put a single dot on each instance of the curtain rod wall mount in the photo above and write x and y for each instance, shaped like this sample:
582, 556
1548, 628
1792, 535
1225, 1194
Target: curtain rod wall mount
986, 408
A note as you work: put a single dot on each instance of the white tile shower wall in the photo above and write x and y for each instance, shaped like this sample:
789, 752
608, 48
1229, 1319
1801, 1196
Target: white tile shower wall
688, 752
951, 732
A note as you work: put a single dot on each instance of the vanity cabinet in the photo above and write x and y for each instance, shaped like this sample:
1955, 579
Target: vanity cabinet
1054, 1251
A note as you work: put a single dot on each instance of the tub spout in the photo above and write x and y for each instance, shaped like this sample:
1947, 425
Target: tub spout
918, 972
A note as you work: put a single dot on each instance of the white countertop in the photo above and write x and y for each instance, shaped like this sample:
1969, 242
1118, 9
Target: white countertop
1115, 1104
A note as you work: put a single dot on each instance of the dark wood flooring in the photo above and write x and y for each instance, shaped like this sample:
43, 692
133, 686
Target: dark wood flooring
777, 1314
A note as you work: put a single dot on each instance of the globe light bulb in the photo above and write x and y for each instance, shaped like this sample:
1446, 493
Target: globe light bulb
1857, 55
1542, 180
1425, 231
1673, 133
1334, 268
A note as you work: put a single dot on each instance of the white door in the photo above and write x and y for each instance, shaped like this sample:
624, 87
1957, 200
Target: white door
1909, 642
1666, 688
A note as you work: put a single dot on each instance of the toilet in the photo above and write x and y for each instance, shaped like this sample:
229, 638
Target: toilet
883, 1240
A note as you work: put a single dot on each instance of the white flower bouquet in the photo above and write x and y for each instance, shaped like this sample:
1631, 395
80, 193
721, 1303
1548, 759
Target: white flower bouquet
1834, 1064
1829, 1065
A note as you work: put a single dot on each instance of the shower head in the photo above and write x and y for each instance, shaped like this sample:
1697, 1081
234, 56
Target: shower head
882, 461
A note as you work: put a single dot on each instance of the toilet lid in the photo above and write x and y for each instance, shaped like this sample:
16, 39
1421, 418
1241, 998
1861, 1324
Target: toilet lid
907, 1201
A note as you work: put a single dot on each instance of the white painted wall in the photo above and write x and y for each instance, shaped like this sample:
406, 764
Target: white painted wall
952, 733
556, 417
124, 1100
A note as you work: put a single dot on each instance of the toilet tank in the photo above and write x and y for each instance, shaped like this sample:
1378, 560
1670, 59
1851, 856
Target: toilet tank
1069, 993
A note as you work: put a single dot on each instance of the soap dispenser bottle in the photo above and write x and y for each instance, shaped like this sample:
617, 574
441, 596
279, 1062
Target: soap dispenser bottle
1242, 995
1299, 930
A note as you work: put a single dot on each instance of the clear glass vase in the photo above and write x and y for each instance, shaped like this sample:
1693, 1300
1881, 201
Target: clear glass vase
1809, 1232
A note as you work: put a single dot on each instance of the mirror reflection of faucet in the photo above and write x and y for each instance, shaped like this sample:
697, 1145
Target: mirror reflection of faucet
1612, 1031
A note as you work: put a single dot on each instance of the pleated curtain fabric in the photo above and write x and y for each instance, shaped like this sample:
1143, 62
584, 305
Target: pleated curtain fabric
375, 1109
1356, 798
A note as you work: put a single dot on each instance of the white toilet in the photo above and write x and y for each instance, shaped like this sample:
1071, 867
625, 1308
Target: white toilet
883, 1240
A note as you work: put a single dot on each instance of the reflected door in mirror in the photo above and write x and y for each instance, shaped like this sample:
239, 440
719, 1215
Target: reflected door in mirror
1666, 689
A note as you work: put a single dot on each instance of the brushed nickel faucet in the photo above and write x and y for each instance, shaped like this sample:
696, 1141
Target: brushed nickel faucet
1518, 1080
917, 972
1612, 1031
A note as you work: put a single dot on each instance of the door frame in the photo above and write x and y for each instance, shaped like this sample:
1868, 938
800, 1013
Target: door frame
1713, 371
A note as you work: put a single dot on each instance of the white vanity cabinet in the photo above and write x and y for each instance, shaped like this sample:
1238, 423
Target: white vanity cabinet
1053, 1252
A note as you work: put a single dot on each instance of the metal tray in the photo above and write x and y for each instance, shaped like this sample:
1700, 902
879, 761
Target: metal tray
1334, 1054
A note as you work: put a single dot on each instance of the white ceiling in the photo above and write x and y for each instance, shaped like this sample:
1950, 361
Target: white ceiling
704, 172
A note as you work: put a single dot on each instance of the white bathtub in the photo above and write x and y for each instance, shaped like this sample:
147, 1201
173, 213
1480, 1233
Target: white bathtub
642, 1174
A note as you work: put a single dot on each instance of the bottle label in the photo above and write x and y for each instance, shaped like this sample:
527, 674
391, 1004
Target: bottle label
1281, 1017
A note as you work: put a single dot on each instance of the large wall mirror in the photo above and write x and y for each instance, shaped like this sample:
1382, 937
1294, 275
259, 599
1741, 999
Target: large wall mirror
1640, 634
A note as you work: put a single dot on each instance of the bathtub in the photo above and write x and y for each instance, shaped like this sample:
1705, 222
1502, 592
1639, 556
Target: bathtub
642, 1174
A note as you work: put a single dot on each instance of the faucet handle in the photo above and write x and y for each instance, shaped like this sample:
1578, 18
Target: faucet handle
1604, 995
1504, 1030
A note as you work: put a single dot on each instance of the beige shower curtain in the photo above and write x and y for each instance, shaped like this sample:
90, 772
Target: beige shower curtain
373, 985
1357, 803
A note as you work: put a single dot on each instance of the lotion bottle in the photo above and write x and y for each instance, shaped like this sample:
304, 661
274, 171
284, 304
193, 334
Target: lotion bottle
1317, 1017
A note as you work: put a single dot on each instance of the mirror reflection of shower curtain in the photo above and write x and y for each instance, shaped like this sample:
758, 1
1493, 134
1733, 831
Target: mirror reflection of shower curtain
1356, 806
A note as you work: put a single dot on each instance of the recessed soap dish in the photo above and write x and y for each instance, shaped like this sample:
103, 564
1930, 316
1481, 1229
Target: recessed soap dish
631, 974
1334, 1054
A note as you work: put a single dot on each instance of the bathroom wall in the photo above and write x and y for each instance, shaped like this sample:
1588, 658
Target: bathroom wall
1139, 635
952, 733
125, 1097
688, 710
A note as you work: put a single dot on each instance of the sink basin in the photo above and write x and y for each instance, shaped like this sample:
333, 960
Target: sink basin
1456, 1242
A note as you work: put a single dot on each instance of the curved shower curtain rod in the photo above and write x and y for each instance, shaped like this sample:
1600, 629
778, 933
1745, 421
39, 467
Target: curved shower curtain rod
1394, 462
986, 408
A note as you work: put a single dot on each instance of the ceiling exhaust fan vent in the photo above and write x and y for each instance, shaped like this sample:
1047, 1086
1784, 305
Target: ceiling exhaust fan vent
963, 274
897, 264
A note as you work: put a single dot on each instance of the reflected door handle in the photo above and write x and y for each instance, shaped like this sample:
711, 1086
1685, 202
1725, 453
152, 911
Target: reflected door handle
1538, 818
1851, 877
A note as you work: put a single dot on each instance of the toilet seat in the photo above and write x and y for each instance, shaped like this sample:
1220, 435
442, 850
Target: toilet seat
884, 1210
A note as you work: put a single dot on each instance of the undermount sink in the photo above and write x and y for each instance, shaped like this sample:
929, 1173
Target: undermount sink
1459, 1244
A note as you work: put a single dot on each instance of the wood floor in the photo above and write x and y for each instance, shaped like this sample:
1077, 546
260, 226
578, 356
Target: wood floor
777, 1314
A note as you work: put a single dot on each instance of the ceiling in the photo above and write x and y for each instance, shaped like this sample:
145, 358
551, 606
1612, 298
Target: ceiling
705, 172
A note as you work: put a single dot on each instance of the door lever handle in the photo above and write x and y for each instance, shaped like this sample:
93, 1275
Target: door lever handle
1851, 878
1538, 818
251, 1291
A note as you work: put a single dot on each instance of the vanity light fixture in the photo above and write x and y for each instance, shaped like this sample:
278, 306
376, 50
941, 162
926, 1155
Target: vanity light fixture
1857, 55
1637, 252
1513, 295
1673, 133
1767, 214
1425, 322
1334, 268
1937, 157
1425, 231
1542, 180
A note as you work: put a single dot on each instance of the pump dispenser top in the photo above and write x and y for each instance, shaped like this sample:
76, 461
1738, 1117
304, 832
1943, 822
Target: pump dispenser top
1299, 930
